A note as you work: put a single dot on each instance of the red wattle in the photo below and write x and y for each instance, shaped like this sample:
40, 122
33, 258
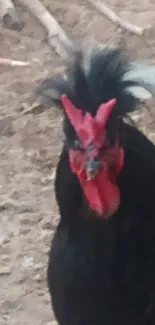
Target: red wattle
102, 195
101, 192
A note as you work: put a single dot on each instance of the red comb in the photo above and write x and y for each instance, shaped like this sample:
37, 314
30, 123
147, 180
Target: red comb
104, 111
74, 114
88, 128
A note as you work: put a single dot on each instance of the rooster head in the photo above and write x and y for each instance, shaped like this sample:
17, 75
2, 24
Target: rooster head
94, 98
93, 160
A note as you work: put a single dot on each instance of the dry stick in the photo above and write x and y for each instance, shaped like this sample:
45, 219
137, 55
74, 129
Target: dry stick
101, 7
56, 35
13, 63
30, 109
10, 16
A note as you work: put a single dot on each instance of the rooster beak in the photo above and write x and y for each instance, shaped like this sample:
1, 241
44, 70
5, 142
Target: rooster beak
92, 168
91, 173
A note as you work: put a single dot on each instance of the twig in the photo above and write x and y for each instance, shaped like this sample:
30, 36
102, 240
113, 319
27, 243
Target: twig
56, 35
9, 15
129, 120
105, 10
34, 108
13, 63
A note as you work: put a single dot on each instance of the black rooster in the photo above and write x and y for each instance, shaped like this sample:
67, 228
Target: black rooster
102, 261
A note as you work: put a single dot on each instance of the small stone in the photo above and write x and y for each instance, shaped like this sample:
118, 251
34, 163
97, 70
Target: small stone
5, 270
38, 278
4, 240
39, 266
52, 323
5, 258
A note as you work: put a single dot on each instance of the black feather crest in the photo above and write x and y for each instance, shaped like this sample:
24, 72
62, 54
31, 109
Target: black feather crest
108, 75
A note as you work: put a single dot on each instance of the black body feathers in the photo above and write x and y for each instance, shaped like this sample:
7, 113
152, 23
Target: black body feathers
103, 272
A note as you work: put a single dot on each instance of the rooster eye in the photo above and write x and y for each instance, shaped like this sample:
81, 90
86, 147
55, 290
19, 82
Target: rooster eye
77, 145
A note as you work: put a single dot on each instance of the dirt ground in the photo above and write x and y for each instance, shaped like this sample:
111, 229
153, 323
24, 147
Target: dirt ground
30, 145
